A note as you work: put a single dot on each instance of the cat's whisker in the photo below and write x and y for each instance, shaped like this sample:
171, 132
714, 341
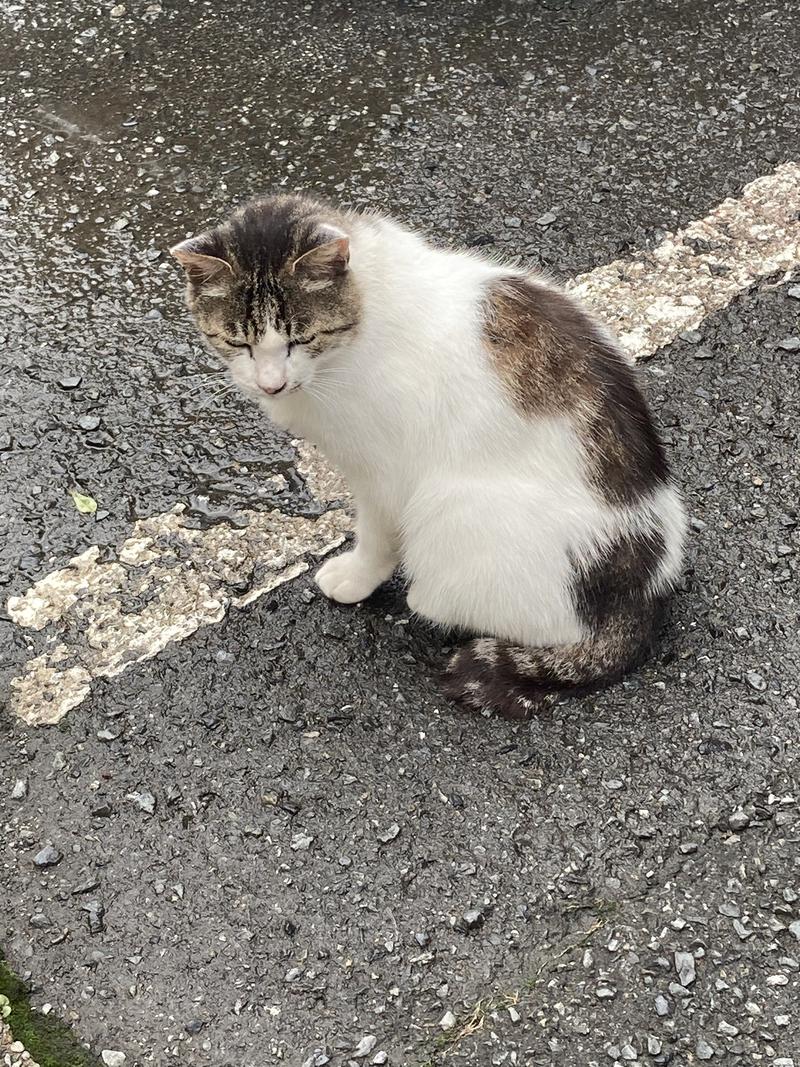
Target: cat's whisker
201, 383
205, 389
201, 374
322, 394
224, 390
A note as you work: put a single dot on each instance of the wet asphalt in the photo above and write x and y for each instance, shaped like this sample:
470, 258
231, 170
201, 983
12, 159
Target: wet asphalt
333, 854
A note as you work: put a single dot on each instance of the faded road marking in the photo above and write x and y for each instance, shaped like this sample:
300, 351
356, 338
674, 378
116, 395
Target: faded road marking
168, 580
649, 299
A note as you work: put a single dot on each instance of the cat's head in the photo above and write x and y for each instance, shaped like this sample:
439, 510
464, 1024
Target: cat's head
272, 292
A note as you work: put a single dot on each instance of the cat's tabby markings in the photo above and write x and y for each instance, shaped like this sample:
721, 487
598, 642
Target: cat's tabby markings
496, 441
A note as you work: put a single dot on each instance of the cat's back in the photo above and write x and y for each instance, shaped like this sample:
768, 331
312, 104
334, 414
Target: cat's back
496, 367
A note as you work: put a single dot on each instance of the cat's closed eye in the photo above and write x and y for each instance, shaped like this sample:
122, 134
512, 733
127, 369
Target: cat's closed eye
224, 340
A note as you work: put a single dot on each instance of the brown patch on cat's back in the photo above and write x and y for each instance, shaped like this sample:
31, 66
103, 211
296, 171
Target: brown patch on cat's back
535, 360
554, 359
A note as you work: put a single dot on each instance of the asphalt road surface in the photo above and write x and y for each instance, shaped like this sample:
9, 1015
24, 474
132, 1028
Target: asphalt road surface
271, 840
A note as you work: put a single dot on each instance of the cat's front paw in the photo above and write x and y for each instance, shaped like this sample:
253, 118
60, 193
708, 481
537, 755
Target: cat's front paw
347, 579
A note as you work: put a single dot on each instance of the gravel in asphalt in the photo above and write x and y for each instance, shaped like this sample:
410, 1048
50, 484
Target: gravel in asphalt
276, 841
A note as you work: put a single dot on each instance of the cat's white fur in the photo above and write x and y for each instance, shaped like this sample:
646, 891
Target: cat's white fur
486, 509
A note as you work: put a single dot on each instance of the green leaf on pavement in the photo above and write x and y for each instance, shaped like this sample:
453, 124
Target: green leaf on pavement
87, 505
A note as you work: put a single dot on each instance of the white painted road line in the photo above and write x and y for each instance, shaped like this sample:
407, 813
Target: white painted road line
649, 299
168, 580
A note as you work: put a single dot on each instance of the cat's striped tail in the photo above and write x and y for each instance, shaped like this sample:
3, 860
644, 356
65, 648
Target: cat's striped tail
489, 675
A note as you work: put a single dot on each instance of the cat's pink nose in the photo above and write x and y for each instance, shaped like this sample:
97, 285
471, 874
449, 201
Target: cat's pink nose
271, 380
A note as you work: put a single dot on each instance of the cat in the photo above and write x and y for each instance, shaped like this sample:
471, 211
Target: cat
493, 434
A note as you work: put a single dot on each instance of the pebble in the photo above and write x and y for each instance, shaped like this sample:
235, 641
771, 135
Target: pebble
662, 1006
20, 789
447, 1021
628, 1052
85, 887
738, 820
318, 1058
88, 422
742, 930
389, 834
680, 991
365, 1046
381, 1057
513, 222
653, 1045
727, 1029
194, 1026
48, 857
684, 965
117, 11
547, 219
513, 1014
95, 912
71, 381
777, 979
703, 1049
693, 337
781, 1020
301, 842
112, 1058
755, 681
794, 291
731, 909
472, 918
790, 344
143, 800
605, 992
794, 929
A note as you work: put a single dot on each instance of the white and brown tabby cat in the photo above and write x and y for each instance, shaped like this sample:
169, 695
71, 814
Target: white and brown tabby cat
494, 437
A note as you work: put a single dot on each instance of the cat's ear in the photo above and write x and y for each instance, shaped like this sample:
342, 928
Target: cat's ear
328, 259
201, 268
